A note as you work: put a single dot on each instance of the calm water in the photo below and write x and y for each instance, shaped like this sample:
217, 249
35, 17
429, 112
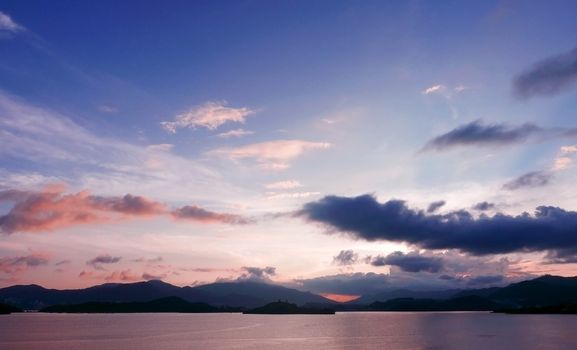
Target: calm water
235, 331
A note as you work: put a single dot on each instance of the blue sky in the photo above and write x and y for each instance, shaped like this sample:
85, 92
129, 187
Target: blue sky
255, 108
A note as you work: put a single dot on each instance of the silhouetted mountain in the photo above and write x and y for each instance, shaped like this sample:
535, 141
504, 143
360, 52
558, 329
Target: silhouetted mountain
8, 309
169, 304
283, 308
541, 291
553, 309
253, 294
234, 294
404, 293
467, 303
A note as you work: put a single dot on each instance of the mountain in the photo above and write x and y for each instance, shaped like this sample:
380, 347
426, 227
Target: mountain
8, 309
467, 303
253, 294
235, 294
404, 293
541, 291
283, 308
168, 304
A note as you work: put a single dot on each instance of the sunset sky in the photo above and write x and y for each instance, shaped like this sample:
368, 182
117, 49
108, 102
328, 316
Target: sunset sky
341, 147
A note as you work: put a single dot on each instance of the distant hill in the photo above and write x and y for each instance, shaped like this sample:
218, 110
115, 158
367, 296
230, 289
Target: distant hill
234, 294
169, 304
283, 308
8, 309
467, 303
404, 293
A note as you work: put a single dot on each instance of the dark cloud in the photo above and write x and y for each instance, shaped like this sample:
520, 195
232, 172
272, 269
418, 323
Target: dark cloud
345, 258
483, 206
98, 261
63, 262
548, 77
16, 264
410, 262
433, 207
148, 276
352, 283
477, 134
530, 179
257, 273
193, 212
362, 217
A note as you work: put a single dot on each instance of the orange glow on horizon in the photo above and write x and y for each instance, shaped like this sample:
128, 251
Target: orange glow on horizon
341, 298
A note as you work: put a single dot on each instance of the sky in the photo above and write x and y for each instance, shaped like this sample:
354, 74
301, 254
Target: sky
338, 147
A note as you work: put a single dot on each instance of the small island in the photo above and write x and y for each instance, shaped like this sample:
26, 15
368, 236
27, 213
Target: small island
286, 308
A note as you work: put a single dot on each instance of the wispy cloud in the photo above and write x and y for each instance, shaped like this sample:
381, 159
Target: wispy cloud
104, 259
283, 185
433, 89
272, 155
195, 213
529, 180
235, 133
8, 26
478, 134
548, 77
53, 209
564, 158
210, 115
16, 264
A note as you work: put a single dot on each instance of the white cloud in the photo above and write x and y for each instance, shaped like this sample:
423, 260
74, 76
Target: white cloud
53, 142
434, 89
283, 195
283, 185
8, 25
210, 115
235, 133
107, 109
564, 157
272, 155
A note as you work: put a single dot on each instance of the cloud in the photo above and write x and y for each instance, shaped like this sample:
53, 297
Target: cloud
433, 207
107, 109
345, 258
410, 262
283, 185
52, 209
272, 155
564, 159
551, 76
257, 273
530, 179
235, 133
483, 206
363, 217
210, 115
485, 280
105, 259
351, 283
283, 195
122, 276
433, 89
195, 213
16, 264
147, 276
8, 26
478, 134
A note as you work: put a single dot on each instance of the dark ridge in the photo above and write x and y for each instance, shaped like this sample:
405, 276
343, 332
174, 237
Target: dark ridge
6, 309
285, 308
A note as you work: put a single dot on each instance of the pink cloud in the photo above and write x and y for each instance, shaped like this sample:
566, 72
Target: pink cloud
52, 209
16, 264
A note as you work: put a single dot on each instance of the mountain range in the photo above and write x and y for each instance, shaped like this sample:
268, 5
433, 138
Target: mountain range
539, 292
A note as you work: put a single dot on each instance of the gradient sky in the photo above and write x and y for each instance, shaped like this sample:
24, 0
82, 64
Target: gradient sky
196, 141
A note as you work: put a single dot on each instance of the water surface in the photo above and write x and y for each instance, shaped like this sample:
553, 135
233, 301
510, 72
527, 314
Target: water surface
355, 330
